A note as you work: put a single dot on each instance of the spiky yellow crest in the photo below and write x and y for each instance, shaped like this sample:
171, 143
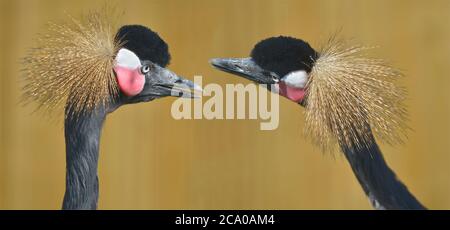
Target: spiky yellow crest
72, 65
350, 94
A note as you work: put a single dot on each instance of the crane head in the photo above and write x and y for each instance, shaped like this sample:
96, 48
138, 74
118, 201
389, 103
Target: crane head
346, 93
282, 62
140, 68
86, 64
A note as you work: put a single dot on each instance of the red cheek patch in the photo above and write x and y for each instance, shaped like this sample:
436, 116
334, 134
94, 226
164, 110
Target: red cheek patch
131, 81
292, 93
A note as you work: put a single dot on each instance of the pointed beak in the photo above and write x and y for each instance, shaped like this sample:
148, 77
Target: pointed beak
185, 88
245, 67
167, 83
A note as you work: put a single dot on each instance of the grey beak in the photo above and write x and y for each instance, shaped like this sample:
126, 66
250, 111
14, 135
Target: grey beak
245, 67
178, 86
185, 88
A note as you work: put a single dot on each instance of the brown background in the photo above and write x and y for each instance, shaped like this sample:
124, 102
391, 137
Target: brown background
148, 160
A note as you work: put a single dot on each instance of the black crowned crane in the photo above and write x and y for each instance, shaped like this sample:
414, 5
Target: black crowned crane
92, 69
349, 99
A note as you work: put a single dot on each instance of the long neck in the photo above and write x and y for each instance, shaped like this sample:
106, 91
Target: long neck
82, 146
378, 181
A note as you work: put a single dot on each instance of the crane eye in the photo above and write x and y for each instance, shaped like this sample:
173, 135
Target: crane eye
145, 69
275, 78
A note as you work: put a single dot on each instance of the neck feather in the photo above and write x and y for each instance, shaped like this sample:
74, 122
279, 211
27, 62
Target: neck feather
379, 182
82, 135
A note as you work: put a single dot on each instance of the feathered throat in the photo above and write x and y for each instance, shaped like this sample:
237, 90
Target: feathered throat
72, 65
349, 95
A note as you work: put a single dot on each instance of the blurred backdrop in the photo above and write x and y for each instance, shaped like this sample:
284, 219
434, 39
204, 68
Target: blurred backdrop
148, 160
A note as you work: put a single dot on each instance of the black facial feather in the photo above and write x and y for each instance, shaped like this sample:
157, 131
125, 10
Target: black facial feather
145, 43
283, 55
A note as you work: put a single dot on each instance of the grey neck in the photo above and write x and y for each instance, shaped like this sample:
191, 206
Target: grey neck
379, 182
82, 135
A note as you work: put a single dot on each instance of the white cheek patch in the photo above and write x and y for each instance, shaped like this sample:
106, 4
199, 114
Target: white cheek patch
296, 79
127, 59
128, 74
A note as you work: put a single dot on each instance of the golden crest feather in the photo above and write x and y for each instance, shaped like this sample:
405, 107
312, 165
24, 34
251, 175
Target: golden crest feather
72, 65
349, 95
